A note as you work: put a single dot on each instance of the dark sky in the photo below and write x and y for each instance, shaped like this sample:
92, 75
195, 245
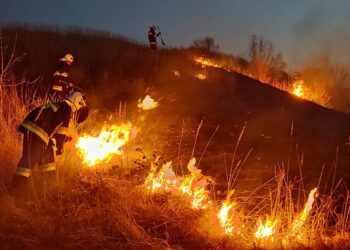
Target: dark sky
300, 29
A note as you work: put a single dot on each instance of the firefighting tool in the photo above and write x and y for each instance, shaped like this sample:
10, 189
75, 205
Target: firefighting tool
160, 34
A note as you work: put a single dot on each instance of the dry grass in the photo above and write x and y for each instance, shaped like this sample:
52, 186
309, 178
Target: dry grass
109, 208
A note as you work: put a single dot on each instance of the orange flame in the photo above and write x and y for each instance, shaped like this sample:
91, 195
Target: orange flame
226, 216
266, 230
193, 186
101, 148
298, 89
147, 103
206, 62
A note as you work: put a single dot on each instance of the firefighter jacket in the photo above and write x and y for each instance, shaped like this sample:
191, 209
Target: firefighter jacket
152, 38
48, 122
61, 85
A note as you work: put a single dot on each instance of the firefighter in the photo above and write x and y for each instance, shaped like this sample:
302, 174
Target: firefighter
152, 37
45, 131
62, 86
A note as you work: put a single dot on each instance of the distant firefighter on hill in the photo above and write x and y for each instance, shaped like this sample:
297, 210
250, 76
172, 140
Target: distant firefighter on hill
153, 33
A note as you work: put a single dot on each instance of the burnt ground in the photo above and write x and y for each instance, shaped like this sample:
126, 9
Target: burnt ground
281, 130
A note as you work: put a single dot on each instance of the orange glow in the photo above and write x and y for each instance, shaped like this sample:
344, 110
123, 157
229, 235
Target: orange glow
102, 147
147, 103
177, 73
298, 88
201, 76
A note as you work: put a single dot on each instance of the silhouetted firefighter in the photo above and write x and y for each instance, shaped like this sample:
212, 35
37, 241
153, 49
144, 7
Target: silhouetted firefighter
152, 37
62, 86
45, 132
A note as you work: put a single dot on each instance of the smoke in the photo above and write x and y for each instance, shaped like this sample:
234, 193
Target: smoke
322, 31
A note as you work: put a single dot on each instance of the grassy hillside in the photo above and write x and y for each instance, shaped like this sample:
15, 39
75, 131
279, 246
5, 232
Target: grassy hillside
276, 146
105, 64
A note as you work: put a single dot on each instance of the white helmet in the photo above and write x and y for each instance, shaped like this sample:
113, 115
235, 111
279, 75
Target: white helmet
67, 58
76, 100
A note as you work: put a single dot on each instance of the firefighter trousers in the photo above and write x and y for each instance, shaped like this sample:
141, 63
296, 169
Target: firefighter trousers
36, 152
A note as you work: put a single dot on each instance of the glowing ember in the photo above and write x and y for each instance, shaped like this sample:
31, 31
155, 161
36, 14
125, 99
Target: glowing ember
101, 148
301, 218
147, 103
298, 88
177, 73
267, 230
201, 76
193, 186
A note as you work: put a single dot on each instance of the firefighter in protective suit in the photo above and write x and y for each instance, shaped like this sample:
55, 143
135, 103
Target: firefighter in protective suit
152, 37
62, 86
45, 131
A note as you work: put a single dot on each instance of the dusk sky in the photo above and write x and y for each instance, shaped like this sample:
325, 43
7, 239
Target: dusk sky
299, 29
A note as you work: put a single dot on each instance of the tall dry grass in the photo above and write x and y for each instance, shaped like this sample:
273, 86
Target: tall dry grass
110, 208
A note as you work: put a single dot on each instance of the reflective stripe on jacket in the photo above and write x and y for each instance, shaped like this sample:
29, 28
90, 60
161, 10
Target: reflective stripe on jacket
31, 126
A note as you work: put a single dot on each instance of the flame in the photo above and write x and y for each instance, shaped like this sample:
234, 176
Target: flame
206, 62
201, 76
316, 94
101, 148
147, 103
177, 73
226, 216
301, 218
298, 89
266, 230
192, 186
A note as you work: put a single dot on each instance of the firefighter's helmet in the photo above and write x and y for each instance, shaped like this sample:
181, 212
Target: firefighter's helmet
67, 58
77, 99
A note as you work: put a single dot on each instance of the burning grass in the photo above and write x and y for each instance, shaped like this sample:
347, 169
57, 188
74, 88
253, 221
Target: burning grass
313, 92
104, 207
97, 207
104, 145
